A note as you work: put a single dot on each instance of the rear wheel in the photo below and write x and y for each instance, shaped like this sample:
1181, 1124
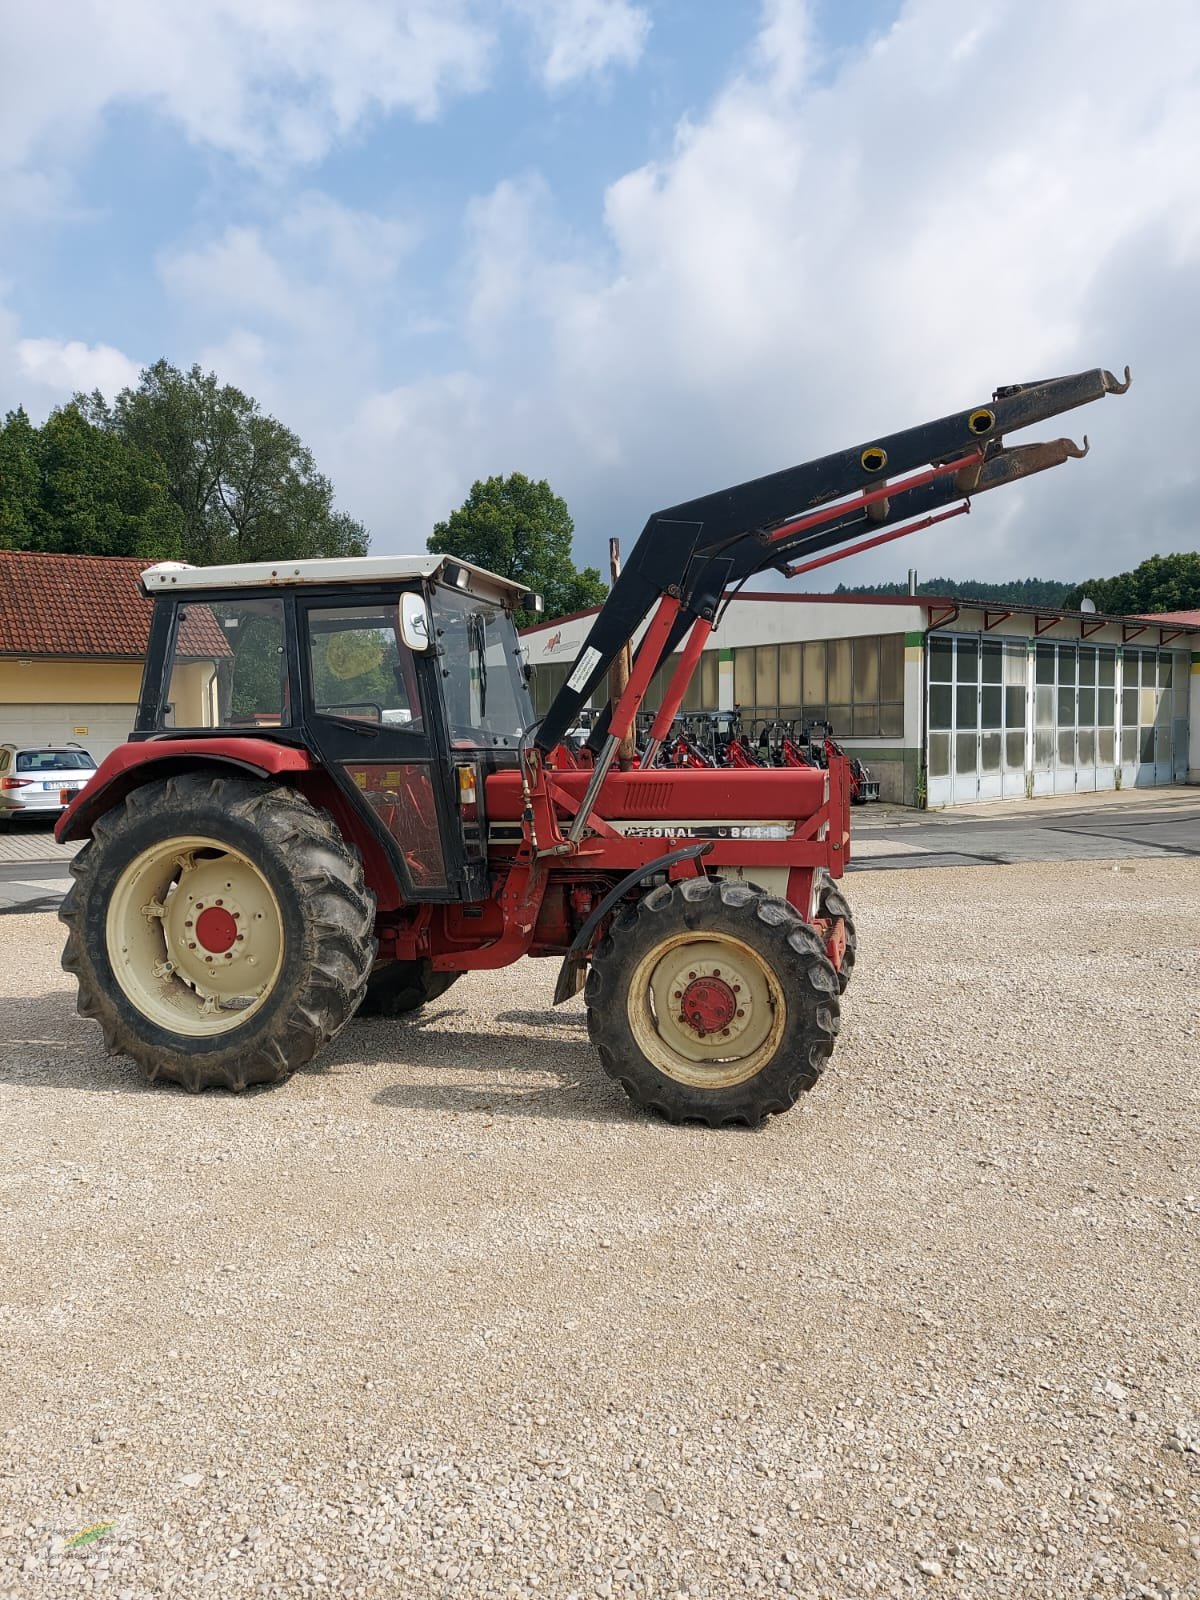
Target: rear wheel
397, 987
711, 1000
219, 929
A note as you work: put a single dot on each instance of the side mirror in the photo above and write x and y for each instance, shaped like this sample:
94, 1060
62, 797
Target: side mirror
414, 622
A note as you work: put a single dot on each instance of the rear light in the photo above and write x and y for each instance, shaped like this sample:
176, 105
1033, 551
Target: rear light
468, 792
15, 783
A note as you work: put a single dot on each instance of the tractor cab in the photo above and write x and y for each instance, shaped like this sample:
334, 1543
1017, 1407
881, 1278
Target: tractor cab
401, 678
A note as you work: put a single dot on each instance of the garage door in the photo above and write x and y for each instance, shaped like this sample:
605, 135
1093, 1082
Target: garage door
98, 729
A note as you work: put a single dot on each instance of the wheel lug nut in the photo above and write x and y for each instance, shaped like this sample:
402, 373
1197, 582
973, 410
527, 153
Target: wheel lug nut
678, 995
716, 972
740, 1014
691, 974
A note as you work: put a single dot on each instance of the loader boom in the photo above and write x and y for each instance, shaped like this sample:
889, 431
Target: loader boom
696, 553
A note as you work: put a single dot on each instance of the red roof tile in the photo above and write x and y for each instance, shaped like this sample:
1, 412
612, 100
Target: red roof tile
1190, 619
86, 607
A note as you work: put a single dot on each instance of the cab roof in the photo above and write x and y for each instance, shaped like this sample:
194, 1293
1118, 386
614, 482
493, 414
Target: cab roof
170, 576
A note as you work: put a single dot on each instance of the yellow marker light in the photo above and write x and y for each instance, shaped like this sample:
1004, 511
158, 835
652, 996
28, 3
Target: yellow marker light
466, 786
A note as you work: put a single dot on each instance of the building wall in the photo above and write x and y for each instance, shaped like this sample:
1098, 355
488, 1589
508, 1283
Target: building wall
88, 703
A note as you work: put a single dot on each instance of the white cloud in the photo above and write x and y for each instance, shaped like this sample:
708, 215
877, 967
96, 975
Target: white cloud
575, 39
959, 205
60, 368
267, 83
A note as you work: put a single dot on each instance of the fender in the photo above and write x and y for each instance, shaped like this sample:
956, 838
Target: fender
143, 761
570, 974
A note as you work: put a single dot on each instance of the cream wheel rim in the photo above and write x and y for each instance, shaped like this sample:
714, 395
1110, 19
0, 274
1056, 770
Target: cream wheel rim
708, 1012
195, 936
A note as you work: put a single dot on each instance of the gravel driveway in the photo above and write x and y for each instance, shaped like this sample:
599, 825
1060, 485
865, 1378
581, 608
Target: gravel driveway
448, 1318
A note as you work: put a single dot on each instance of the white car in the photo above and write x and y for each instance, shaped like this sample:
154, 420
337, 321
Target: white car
41, 781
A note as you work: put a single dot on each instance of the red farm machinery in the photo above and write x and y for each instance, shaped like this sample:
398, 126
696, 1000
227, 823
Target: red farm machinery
336, 799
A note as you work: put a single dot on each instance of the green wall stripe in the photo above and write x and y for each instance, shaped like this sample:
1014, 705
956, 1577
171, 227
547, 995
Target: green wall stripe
913, 639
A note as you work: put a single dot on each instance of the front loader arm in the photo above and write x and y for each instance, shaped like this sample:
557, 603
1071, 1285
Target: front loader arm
696, 552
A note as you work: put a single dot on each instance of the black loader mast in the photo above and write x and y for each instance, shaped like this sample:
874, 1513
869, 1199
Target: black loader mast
690, 556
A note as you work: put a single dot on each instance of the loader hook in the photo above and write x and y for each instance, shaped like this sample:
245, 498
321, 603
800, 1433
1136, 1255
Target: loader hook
1112, 386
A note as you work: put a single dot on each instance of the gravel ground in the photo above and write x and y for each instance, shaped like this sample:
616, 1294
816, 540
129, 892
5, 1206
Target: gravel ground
448, 1318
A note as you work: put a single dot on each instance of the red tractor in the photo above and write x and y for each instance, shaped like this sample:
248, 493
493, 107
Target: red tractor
336, 798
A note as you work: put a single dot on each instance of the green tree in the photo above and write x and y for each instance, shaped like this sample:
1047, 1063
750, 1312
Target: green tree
1161, 583
1017, 591
245, 486
20, 479
521, 530
99, 495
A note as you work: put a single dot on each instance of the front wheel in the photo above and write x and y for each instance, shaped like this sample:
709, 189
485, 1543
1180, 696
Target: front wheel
219, 930
712, 1001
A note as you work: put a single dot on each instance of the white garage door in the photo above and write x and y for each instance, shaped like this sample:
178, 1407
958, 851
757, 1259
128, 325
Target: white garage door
107, 726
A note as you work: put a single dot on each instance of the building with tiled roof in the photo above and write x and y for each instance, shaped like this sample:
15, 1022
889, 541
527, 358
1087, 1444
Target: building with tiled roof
73, 636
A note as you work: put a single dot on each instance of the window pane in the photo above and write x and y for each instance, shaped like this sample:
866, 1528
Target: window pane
891, 667
1087, 708
1104, 741
1066, 708
940, 705
866, 670
1129, 707
1066, 748
1105, 707
991, 661
789, 674
1066, 664
1147, 745
965, 754
866, 722
966, 705
839, 716
939, 755
1016, 658
1164, 671
1087, 664
966, 666
358, 669
1087, 747
1043, 751
891, 719
1044, 664
990, 705
989, 752
710, 678
941, 659
766, 676
227, 666
743, 675
1149, 669
1014, 750
1107, 665
1044, 706
1148, 707
1014, 707
838, 658
814, 673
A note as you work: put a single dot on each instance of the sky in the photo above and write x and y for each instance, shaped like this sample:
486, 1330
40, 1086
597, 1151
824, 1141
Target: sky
642, 248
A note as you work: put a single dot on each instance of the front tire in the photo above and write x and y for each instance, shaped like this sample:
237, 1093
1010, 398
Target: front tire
833, 904
219, 929
712, 1001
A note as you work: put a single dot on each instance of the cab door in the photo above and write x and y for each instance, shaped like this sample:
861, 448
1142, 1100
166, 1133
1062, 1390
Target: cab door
371, 714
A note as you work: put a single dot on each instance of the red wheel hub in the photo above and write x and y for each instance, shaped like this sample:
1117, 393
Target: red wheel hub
708, 1005
216, 930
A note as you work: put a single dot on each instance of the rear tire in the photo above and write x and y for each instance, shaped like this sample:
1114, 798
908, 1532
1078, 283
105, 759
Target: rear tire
220, 931
833, 904
760, 991
398, 987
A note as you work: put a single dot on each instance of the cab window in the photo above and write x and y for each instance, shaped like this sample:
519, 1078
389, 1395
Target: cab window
227, 666
360, 669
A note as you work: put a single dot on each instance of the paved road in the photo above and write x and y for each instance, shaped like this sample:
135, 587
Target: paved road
1164, 822
1067, 828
